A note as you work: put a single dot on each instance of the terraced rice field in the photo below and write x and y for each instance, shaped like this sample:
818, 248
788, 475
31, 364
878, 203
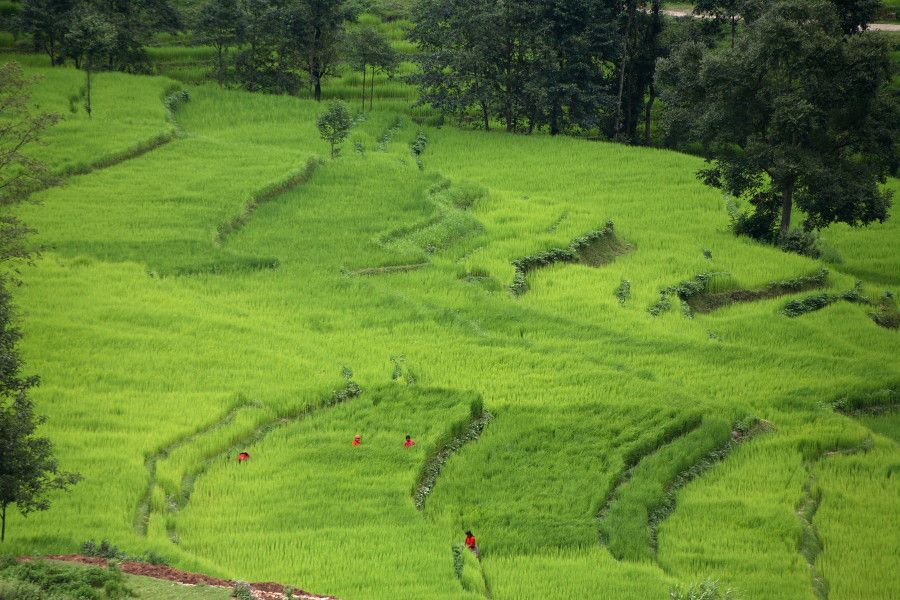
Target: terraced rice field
231, 289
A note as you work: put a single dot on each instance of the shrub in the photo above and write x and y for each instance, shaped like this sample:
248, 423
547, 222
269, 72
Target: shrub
242, 591
887, 315
63, 581
759, 225
800, 242
623, 292
104, 550
334, 124
176, 99
19, 590
707, 590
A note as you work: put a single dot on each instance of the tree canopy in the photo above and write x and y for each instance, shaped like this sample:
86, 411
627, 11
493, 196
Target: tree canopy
798, 113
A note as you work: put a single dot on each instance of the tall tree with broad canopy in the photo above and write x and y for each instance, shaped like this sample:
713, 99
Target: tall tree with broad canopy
221, 23
797, 114
90, 38
319, 30
528, 63
47, 21
27, 467
368, 47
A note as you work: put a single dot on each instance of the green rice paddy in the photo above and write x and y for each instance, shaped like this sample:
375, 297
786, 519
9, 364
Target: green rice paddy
164, 348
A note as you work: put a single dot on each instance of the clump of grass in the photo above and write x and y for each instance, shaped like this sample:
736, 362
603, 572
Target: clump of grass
796, 308
705, 590
595, 248
887, 315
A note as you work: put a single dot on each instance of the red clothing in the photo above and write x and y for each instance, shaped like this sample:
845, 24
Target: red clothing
243, 456
470, 542
409, 443
357, 441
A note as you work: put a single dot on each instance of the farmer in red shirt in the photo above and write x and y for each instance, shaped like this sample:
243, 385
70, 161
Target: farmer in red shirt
357, 440
471, 544
409, 442
243, 457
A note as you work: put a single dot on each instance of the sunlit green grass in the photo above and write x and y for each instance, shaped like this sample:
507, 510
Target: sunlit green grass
136, 359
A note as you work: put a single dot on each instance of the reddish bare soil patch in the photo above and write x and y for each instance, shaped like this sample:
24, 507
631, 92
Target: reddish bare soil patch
265, 590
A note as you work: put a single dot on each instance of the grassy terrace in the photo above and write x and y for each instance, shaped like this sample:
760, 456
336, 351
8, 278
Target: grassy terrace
157, 339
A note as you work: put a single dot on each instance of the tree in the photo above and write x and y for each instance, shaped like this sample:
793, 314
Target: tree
91, 37
222, 24
796, 114
47, 22
20, 172
269, 58
722, 10
856, 14
334, 125
545, 62
319, 28
368, 47
28, 470
27, 467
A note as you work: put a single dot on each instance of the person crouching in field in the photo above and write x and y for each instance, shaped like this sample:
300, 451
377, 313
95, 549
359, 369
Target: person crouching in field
243, 457
409, 442
357, 440
472, 544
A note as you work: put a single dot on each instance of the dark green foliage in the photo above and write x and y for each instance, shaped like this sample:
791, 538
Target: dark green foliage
623, 291
105, 549
417, 147
796, 113
221, 23
268, 58
176, 100
47, 22
800, 242
368, 47
242, 591
112, 35
20, 172
316, 31
348, 392
887, 314
795, 308
706, 590
531, 64
696, 295
28, 470
874, 400
334, 125
389, 134
42, 580
595, 248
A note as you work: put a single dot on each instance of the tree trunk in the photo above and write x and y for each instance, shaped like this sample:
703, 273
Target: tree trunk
89, 100
733, 29
647, 110
372, 92
318, 88
221, 66
555, 111
365, 68
787, 204
484, 114
625, 48
3, 531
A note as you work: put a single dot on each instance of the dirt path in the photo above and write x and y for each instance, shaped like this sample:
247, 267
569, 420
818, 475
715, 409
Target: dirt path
262, 591
683, 12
